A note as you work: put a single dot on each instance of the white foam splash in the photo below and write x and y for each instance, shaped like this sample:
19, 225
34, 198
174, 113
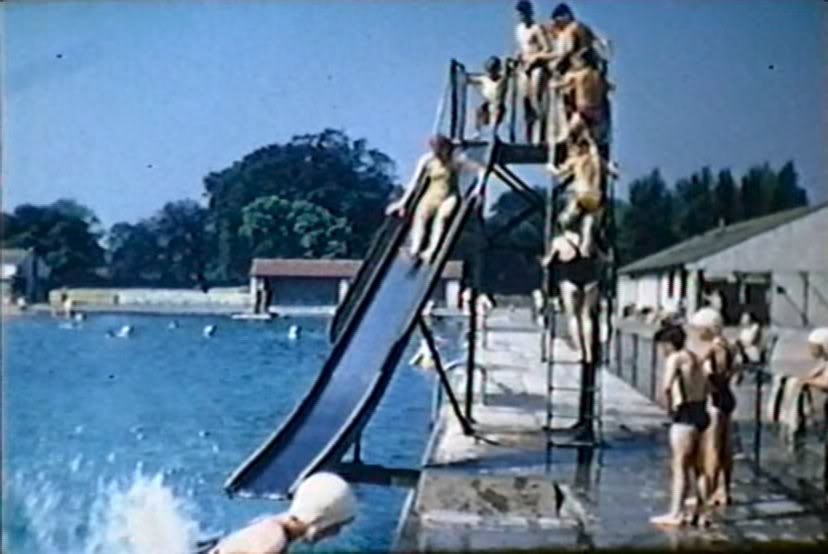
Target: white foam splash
140, 516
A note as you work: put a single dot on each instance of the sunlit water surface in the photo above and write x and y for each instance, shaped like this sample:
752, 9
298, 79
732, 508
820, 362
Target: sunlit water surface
121, 445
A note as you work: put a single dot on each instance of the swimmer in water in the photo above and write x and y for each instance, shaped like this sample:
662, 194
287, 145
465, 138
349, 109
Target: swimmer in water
323, 504
686, 390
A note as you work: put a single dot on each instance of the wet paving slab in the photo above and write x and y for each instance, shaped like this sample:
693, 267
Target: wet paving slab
505, 489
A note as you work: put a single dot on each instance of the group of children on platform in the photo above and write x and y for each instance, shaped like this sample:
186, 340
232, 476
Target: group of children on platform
560, 71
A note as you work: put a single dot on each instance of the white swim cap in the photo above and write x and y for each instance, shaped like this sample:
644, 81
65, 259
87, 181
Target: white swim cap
819, 337
707, 318
322, 501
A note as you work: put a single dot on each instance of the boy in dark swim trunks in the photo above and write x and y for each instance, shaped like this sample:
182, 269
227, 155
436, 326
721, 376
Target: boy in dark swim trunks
686, 391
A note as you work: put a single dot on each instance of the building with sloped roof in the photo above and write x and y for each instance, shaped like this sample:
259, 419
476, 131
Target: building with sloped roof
775, 267
278, 283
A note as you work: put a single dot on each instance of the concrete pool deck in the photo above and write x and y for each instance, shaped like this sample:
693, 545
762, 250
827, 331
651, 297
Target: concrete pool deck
505, 490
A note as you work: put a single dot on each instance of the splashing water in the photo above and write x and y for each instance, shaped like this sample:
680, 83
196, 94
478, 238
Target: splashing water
141, 516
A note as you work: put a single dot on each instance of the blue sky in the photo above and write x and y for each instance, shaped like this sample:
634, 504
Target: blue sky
126, 105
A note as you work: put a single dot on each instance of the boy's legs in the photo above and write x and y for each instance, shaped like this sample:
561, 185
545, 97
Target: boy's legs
438, 226
683, 443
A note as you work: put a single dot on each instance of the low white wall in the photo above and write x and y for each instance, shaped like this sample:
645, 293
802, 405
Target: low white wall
224, 296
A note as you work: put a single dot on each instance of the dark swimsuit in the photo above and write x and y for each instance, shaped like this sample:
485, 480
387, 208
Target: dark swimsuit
722, 396
580, 270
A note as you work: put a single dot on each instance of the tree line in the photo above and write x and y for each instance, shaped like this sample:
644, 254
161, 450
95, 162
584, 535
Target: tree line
655, 216
323, 196
316, 196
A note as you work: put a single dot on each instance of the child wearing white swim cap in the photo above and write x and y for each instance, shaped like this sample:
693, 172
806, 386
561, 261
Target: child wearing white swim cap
322, 505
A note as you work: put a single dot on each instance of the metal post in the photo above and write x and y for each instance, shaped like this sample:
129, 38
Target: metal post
441, 372
653, 369
453, 123
471, 345
825, 446
634, 368
513, 111
358, 449
586, 406
463, 95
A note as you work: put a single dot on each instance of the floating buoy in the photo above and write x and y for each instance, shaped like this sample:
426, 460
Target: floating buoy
124, 332
209, 330
294, 332
173, 324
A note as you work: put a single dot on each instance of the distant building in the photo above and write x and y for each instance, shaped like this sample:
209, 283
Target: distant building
24, 274
775, 267
323, 283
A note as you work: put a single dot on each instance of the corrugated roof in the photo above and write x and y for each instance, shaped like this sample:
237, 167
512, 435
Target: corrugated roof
13, 255
331, 269
716, 240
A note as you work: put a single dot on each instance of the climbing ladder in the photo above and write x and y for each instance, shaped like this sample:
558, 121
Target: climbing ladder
579, 377
451, 120
567, 376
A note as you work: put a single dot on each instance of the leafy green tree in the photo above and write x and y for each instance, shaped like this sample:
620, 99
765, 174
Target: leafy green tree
171, 248
133, 253
64, 238
281, 228
346, 178
183, 236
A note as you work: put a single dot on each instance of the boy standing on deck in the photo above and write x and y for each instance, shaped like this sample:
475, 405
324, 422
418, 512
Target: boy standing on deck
686, 390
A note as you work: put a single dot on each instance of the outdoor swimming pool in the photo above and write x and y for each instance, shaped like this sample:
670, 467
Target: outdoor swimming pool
122, 445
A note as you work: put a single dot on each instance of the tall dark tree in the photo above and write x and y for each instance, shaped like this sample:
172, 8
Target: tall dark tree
345, 177
755, 192
694, 205
647, 226
787, 193
728, 207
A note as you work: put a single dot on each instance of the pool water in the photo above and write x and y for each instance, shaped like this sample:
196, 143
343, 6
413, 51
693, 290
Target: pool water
121, 445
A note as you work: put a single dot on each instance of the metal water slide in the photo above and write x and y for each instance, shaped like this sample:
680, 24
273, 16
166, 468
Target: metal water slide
370, 333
